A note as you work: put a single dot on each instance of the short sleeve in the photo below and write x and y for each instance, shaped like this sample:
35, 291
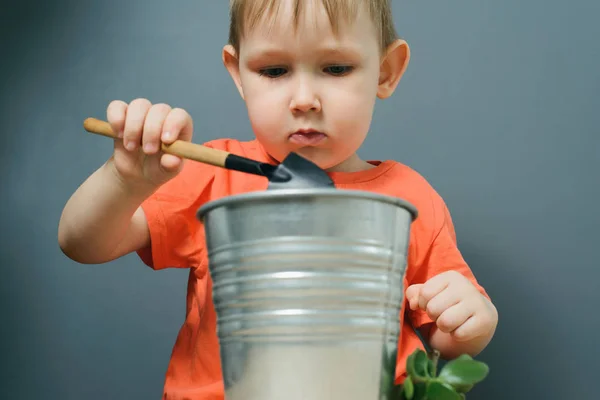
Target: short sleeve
440, 256
176, 235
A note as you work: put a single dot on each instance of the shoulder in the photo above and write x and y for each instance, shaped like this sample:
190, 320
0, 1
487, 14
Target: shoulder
408, 183
433, 244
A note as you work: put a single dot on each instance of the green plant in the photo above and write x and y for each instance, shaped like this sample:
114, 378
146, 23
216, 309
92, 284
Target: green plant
455, 378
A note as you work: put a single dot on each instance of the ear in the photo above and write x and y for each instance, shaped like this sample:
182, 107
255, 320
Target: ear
232, 63
393, 64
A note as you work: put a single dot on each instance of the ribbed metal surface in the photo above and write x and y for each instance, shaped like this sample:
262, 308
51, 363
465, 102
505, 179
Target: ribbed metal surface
311, 278
314, 288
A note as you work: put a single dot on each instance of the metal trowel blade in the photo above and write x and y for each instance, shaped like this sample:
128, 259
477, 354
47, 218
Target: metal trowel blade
296, 172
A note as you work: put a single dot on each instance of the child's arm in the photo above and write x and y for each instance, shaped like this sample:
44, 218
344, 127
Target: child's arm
103, 219
448, 306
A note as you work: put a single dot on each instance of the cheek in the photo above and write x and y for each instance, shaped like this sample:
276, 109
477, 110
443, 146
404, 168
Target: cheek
353, 109
262, 117
264, 106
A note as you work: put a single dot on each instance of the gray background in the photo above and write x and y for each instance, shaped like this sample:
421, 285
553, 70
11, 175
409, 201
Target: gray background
499, 109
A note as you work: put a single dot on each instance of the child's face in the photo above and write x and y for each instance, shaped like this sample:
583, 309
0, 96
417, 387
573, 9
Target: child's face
308, 90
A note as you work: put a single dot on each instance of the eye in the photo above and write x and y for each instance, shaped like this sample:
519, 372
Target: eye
338, 70
273, 72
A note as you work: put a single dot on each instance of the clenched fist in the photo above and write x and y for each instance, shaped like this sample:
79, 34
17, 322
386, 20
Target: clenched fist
455, 305
143, 126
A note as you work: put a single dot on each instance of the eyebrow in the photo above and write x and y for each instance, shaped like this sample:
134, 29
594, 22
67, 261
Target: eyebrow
274, 52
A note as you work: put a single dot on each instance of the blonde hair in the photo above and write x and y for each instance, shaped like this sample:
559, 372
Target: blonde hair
245, 14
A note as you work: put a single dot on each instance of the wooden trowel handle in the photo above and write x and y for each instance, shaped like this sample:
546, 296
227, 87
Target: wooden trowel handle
180, 148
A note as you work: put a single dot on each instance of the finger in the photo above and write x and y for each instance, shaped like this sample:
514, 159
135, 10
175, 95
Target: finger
134, 123
442, 301
469, 330
413, 290
171, 163
412, 295
480, 323
454, 317
432, 288
413, 302
153, 126
115, 115
178, 125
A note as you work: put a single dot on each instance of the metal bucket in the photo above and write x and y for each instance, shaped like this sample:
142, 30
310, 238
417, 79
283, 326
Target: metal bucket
307, 286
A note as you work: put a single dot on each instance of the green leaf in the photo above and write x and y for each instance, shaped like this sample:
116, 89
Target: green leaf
431, 368
417, 365
459, 387
420, 390
441, 391
464, 357
462, 388
410, 362
397, 393
408, 388
462, 372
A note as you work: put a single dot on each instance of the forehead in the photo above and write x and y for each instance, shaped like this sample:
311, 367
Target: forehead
275, 20
253, 12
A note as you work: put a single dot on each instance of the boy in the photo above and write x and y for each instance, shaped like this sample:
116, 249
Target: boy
309, 73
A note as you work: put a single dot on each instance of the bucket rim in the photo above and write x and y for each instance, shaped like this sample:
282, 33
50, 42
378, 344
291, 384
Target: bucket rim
320, 192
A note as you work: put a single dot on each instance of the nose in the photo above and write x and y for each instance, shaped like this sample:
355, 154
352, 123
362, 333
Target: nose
305, 97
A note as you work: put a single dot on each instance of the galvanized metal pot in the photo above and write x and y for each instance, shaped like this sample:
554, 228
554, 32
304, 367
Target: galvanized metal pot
307, 286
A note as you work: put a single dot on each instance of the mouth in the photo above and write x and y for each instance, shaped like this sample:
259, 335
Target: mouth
307, 137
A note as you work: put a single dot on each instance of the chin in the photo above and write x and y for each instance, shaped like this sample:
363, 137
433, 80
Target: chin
321, 157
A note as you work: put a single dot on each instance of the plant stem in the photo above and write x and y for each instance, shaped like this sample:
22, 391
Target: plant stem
435, 356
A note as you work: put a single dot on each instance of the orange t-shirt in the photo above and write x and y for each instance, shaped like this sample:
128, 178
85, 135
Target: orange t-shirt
177, 241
